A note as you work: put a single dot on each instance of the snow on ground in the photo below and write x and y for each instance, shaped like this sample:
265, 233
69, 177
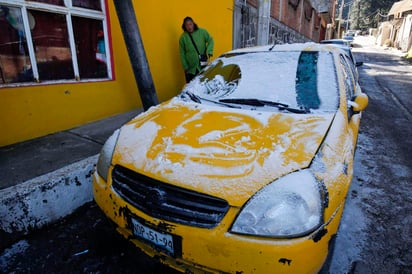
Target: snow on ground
351, 237
10, 252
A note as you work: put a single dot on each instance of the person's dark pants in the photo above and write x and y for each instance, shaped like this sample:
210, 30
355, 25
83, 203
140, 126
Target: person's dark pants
189, 77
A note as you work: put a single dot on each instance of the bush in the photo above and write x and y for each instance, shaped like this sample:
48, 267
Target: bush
387, 43
408, 56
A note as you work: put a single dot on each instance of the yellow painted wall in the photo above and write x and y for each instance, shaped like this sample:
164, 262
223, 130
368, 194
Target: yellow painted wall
31, 111
160, 26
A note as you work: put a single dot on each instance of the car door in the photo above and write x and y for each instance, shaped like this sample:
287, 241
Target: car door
353, 118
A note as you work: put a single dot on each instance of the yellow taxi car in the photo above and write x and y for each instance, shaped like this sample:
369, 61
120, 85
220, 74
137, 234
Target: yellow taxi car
246, 170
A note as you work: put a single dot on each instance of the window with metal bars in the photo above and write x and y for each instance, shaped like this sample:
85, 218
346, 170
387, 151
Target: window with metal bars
53, 40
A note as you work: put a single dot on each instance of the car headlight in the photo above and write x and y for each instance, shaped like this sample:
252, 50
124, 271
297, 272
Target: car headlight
106, 154
288, 207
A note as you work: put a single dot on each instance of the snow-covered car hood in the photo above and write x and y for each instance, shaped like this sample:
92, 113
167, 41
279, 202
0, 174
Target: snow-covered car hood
227, 153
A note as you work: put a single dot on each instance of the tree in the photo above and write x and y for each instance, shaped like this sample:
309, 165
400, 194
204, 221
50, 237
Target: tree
365, 14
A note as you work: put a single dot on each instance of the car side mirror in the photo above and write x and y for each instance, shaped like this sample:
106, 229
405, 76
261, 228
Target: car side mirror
358, 64
359, 102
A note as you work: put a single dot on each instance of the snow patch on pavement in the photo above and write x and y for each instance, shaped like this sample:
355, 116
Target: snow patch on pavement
9, 253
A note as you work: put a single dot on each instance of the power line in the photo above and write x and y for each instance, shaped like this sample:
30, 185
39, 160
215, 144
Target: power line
382, 15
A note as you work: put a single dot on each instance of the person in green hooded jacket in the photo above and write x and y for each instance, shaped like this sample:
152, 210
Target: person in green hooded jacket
189, 56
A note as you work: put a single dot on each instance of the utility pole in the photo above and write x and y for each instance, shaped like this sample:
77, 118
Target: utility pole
348, 18
137, 55
263, 22
357, 23
340, 16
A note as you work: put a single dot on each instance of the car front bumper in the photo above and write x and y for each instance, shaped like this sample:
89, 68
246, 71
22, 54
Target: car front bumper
216, 250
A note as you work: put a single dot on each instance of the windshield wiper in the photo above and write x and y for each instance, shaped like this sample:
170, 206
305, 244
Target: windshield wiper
199, 99
192, 97
252, 102
261, 103
295, 110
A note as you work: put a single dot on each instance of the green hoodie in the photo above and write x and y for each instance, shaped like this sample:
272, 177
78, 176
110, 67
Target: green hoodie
188, 54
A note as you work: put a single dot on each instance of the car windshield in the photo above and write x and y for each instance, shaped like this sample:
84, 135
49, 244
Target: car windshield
297, 80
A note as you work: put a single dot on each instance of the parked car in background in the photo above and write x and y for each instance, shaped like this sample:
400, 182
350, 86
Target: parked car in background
350, 33
348, 38
246, 170
336, 41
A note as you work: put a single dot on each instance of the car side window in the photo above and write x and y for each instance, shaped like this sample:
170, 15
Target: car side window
349, 82
352, 64
348, 77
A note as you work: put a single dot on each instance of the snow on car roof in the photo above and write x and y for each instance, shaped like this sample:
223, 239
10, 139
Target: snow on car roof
309, 46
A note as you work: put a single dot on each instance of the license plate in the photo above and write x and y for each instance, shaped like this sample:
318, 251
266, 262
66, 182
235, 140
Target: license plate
160, 239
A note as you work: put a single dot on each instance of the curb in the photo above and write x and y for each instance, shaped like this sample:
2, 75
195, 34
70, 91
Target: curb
44, 199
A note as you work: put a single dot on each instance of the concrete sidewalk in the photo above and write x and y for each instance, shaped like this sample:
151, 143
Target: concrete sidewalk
47, 178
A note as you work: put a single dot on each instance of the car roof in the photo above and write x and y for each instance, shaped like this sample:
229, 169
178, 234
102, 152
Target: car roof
310, 46
345, 47
334, 41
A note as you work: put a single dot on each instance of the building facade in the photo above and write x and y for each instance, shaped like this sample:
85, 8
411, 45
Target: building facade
290, 21
397, 31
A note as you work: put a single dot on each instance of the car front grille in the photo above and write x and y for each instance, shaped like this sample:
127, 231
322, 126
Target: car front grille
168, 202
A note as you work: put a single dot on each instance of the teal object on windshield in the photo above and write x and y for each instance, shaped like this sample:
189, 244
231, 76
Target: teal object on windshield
306, 81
